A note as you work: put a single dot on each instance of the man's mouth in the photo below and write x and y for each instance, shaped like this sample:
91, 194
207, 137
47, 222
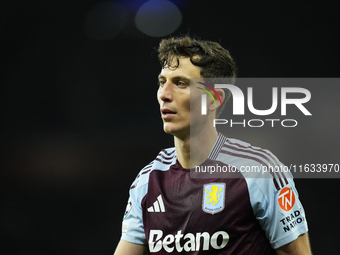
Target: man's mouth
167, 113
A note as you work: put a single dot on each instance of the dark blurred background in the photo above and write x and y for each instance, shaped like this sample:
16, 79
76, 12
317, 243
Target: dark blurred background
79, 116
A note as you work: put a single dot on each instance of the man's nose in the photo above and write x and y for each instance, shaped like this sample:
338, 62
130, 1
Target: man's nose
166, 92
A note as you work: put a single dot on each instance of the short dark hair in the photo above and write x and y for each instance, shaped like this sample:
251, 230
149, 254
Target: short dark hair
214, 60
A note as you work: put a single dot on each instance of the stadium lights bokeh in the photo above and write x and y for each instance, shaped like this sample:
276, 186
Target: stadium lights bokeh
158, 18
155, 18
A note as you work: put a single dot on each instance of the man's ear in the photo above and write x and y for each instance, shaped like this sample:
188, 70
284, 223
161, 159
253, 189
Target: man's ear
221, 94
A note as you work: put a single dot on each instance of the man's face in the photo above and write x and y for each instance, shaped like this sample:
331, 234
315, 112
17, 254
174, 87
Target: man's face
174, 97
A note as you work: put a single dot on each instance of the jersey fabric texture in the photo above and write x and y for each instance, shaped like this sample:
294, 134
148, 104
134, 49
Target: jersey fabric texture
172, 212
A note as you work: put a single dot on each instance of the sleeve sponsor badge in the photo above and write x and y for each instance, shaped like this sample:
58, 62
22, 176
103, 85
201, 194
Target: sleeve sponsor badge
125, 226
128, 208
213, 197
286, 199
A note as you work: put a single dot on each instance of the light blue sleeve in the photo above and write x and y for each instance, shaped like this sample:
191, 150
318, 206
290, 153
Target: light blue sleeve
279, 212
132, 225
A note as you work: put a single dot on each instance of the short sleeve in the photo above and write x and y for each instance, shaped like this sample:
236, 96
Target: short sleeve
132, 225
279, 211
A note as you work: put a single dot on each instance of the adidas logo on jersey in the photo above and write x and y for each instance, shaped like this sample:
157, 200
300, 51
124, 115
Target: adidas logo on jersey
158, 205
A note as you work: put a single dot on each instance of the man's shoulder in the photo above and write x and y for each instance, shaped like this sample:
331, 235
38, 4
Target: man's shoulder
245, 152
259, 166
245, 145
164, 159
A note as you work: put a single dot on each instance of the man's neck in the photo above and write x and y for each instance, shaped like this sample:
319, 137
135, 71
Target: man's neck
201, 145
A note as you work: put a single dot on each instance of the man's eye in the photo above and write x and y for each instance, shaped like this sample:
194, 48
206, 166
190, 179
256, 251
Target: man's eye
181, 84
161, 83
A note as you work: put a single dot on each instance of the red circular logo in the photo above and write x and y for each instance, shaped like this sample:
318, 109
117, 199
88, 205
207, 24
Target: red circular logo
286, 199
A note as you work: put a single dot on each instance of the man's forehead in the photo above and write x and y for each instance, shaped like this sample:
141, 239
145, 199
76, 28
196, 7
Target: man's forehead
184, 68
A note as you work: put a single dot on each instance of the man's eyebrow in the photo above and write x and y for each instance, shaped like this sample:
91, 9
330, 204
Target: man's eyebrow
174, 78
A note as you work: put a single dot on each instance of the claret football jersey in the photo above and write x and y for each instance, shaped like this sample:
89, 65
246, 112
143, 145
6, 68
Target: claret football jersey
173, 211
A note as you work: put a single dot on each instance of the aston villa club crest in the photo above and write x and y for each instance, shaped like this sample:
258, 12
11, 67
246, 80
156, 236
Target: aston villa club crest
213, 197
